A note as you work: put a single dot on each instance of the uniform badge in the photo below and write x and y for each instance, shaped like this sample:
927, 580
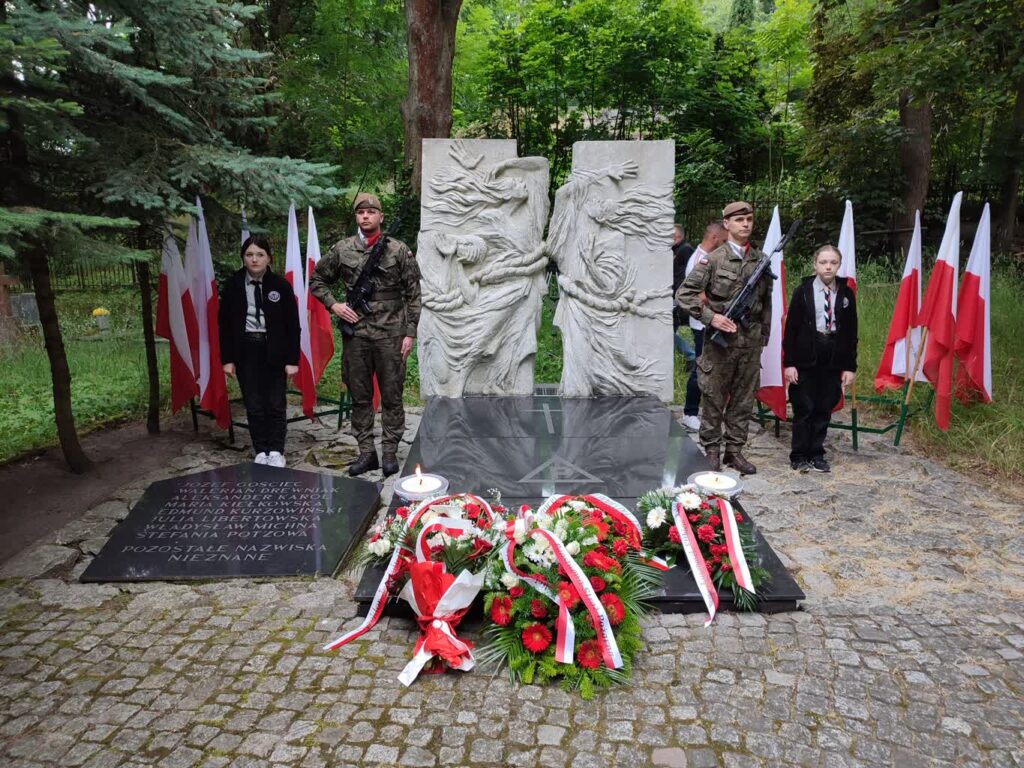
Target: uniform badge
846, 302
274, 296
703, 260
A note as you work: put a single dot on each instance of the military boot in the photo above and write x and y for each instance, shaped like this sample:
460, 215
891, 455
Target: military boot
714, 459
740, 464
365, 462
389, 464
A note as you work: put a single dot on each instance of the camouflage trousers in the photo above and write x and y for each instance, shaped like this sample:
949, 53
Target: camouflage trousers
361, 359
728, 380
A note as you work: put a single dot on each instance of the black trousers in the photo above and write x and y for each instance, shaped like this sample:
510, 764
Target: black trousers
263, 391
813, 397
692, 406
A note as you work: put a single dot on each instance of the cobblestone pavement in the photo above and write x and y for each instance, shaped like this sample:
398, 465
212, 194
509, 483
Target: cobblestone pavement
908, 651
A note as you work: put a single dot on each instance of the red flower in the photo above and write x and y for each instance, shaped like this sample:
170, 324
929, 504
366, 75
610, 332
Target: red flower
602, 549
402, 512
541, 578
726, 567
517, 592
537, 638
375, 537
714, 521
597, 583
706, 533
705, 505
739, 517
501, 611
500, 509
480, 547
589, 654
673, 535
620, 547
602, 527
694, 518
473, 510
601, 562
716, 559
538, 610
567, 592
621, 529
614, 608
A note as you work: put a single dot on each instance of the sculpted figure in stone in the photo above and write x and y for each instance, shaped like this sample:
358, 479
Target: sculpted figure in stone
595, 214
482, 263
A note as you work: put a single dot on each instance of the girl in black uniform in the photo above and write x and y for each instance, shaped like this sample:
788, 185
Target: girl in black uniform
259, 343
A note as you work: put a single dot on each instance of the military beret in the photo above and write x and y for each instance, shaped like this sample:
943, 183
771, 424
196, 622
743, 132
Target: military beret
737, 209
366, 200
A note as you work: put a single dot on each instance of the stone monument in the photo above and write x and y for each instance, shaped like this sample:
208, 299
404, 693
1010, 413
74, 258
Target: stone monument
482, 260
610, 236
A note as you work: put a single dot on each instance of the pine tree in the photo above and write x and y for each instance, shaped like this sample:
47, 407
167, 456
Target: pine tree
118, 114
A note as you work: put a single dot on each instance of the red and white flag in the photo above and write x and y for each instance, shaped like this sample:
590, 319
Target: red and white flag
304, 380
772, 390
848, 266
973, 320
176, 322
938, 316
202, 282
903, 344
321, 330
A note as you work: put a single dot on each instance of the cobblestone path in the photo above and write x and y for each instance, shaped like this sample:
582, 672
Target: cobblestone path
909, 650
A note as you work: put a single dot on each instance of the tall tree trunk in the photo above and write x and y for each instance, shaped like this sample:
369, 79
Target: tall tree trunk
60, 373
915, 158
1013, 160
427, 109
146, 293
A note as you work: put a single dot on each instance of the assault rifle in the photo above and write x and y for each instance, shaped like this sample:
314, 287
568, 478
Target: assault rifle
739, 308
361, 293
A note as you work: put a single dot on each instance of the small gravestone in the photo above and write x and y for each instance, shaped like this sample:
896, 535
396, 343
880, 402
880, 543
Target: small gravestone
24, 308
243, 520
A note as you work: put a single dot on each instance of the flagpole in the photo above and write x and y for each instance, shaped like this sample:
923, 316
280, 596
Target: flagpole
917, 363
853, 411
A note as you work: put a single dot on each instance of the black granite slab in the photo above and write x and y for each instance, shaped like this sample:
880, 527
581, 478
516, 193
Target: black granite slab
531, 447
243, 520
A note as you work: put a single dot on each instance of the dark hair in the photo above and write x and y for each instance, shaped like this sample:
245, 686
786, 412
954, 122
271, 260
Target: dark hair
260, 241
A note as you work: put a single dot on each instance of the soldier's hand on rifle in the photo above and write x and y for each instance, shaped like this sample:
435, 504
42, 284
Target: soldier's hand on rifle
345, 312
407, 343
723, 323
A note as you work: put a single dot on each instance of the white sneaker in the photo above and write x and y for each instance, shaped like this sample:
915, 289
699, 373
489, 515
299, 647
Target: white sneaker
275, 459
692, 423
261, 458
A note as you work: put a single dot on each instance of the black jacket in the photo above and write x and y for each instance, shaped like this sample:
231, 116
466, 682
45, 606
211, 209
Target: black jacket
798, 342
282, 319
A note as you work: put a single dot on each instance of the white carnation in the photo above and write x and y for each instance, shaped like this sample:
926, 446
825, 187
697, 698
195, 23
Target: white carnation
561, 529
689, 500
440, 539
578, 505
573, 548
380, 547
590, 541
428, 517
509, 580
544, 521
656, 517
519, 531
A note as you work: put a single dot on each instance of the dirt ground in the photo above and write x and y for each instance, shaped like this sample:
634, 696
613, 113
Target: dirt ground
39, 494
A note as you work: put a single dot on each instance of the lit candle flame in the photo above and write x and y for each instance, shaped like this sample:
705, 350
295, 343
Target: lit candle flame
419, 476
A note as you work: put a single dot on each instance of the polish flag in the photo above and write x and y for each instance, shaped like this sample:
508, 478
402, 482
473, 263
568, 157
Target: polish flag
321, 330
176, 322
304, 380
772, 391
973, 333
848, 266
903, 344
938, 316
213, 389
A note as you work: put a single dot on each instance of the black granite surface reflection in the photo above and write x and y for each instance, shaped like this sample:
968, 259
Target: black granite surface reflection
531, 447
244, 520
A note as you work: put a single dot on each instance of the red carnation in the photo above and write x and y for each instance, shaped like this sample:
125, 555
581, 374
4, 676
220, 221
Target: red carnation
614, 608
694, 518
602, 549
537, 638
726, 567
621, 529
472, 510
716, 559
706, 533
517, 592
714, 521
538, 610
589, 654
500, 509
568, 594
501, 611
597, 583
705, 505
620, 547
402, 512
673, 535
739, 517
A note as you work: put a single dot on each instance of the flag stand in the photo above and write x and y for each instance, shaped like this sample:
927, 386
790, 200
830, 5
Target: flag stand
343, 408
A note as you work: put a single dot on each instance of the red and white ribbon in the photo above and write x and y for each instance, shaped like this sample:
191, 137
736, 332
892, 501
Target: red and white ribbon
698, 565
732, 540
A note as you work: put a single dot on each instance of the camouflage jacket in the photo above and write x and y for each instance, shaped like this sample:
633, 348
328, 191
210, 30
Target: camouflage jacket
395, 308
715, 281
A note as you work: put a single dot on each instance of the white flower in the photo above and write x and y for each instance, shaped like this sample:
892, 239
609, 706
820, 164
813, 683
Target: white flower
380, 547
578, 505
590, 541
689, 500
519, 531
539, 551
656, 517
573, 548
561, 529
439, 539
428, 517
544, 521
509, 580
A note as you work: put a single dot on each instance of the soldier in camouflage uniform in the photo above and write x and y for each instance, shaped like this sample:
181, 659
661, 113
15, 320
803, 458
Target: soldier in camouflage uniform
728, 376
382, 340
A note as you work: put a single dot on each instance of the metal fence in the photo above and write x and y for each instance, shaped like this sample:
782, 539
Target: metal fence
87, 275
